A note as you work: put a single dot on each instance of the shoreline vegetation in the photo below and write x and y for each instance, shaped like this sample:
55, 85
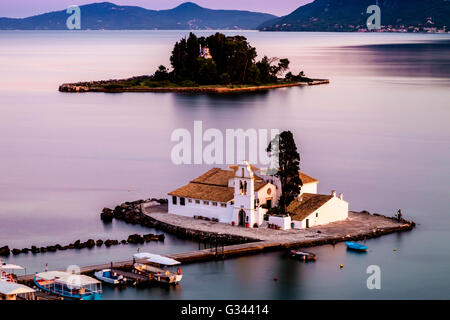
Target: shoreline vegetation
215, 64
110, 87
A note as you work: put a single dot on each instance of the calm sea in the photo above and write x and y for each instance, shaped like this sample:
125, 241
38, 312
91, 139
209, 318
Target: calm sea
379, 133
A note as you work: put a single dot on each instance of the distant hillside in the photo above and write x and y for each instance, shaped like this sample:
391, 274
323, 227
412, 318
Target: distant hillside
347, 15
109, 16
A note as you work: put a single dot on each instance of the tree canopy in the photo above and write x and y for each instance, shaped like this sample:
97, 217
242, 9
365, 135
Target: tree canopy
232, 60
289, 165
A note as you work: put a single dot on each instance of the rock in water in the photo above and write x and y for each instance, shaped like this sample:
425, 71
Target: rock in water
135, 238
4, 251
90, 243
107, 215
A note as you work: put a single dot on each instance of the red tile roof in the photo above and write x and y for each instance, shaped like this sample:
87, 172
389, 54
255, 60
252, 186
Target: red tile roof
309, 203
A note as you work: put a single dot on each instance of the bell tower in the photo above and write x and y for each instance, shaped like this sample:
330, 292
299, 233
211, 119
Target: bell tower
244, 195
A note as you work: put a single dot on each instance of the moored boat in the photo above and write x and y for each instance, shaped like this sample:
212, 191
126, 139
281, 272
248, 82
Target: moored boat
15, 291
68, 285
356, 246
110, 277
303, 256
152, 266
6, 271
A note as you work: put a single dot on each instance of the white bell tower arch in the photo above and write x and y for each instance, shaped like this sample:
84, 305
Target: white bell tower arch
244, 196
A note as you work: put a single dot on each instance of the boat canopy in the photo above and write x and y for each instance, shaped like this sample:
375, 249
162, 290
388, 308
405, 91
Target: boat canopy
7, 266
156, 258
69, 279
11, 288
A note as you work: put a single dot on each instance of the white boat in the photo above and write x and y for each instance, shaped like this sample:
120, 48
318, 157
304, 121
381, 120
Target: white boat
110, 277
6, 271
68, 285
152, 266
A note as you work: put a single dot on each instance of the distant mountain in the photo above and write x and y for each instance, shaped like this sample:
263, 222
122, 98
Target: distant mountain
350, 15
109, 16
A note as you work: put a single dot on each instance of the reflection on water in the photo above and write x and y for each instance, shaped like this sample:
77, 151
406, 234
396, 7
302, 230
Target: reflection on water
378, 133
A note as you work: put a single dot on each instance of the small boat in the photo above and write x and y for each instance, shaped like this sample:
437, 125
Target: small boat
6, 271
356, 246
153, 266
303, 256
68, 285
110, 277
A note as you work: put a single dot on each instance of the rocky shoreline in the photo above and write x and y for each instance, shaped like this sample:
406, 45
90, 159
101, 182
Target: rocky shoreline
132, 212
91, 243
97, 86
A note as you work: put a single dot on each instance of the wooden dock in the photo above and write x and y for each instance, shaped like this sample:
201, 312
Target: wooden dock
45, 296
194, 256
130, 275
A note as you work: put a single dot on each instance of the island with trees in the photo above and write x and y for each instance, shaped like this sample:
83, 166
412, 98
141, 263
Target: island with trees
217, 63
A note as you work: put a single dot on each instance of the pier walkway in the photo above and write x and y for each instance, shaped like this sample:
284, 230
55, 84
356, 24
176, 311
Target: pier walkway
357, 224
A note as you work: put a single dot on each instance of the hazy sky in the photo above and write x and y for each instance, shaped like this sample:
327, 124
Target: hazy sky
25, 8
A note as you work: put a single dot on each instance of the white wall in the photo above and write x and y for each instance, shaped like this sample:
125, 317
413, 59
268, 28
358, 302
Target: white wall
334, 210
283, 222
274, 181
309, 188
262, 195
192, 209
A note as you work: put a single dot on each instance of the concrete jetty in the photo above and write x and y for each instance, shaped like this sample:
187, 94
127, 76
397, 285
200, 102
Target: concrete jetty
359, 225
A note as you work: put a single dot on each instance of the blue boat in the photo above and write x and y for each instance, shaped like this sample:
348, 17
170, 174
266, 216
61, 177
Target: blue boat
69, 286
355, 246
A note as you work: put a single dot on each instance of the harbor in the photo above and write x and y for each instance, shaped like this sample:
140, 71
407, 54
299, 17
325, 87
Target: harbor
220, 237
359, 226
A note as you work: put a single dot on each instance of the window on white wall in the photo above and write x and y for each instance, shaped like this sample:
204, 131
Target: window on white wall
182, 201
174, 200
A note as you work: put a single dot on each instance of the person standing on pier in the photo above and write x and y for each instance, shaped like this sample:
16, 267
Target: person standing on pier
399, 215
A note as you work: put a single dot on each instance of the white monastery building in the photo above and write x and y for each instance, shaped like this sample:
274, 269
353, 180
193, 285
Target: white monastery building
204, 53
242, 194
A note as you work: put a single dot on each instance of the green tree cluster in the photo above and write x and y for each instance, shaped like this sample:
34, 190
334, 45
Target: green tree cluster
233, 62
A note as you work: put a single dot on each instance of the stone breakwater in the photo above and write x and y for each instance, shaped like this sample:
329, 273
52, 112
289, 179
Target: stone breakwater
134, 213
91, 243
98, 87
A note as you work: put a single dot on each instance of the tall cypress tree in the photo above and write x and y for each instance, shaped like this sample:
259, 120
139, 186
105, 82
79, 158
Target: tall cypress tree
289, 166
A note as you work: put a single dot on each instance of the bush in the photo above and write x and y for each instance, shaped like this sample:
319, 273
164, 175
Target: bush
113, 86
225, 78
275, 211
161, 74
188, 83
207, 74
